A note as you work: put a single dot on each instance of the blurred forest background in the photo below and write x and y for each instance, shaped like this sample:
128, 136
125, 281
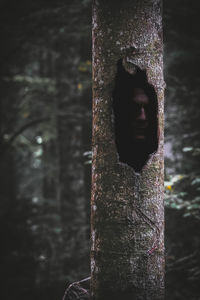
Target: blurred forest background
45, 144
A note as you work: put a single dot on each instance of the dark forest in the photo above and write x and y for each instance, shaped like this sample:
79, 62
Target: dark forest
45, 144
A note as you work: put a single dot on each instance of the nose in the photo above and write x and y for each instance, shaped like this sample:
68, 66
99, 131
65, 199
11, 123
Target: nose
142, 115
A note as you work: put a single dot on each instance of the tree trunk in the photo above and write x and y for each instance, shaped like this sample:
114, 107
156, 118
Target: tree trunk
71, 192
127, 256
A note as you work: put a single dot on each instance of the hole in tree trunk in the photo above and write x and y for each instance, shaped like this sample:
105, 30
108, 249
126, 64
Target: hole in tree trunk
135, 114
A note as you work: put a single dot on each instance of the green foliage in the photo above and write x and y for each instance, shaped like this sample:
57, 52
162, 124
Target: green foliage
88, 156
182, 193
182, 149
182, 190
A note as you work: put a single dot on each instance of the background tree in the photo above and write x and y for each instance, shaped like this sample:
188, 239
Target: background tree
182, 44
45, 101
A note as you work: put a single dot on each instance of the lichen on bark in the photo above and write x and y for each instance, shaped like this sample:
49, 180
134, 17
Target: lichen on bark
127, 257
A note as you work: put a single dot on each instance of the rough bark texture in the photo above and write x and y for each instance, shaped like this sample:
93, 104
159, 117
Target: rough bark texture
127, 256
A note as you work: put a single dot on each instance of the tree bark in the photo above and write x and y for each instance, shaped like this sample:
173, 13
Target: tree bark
127, 213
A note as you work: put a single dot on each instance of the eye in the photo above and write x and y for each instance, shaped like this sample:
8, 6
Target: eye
135, 107
147, 107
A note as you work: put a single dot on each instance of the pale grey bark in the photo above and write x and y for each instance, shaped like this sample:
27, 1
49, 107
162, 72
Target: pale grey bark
127, 256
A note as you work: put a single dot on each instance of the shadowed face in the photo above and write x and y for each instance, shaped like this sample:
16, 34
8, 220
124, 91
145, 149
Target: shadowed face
139, 103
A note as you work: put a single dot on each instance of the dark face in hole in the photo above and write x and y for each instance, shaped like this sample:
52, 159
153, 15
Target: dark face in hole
139, 108
135, 115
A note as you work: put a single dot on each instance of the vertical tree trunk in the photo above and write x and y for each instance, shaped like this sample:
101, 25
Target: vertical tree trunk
71, 121
127, 256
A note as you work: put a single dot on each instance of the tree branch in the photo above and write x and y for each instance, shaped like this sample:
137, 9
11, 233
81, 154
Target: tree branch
24, 127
